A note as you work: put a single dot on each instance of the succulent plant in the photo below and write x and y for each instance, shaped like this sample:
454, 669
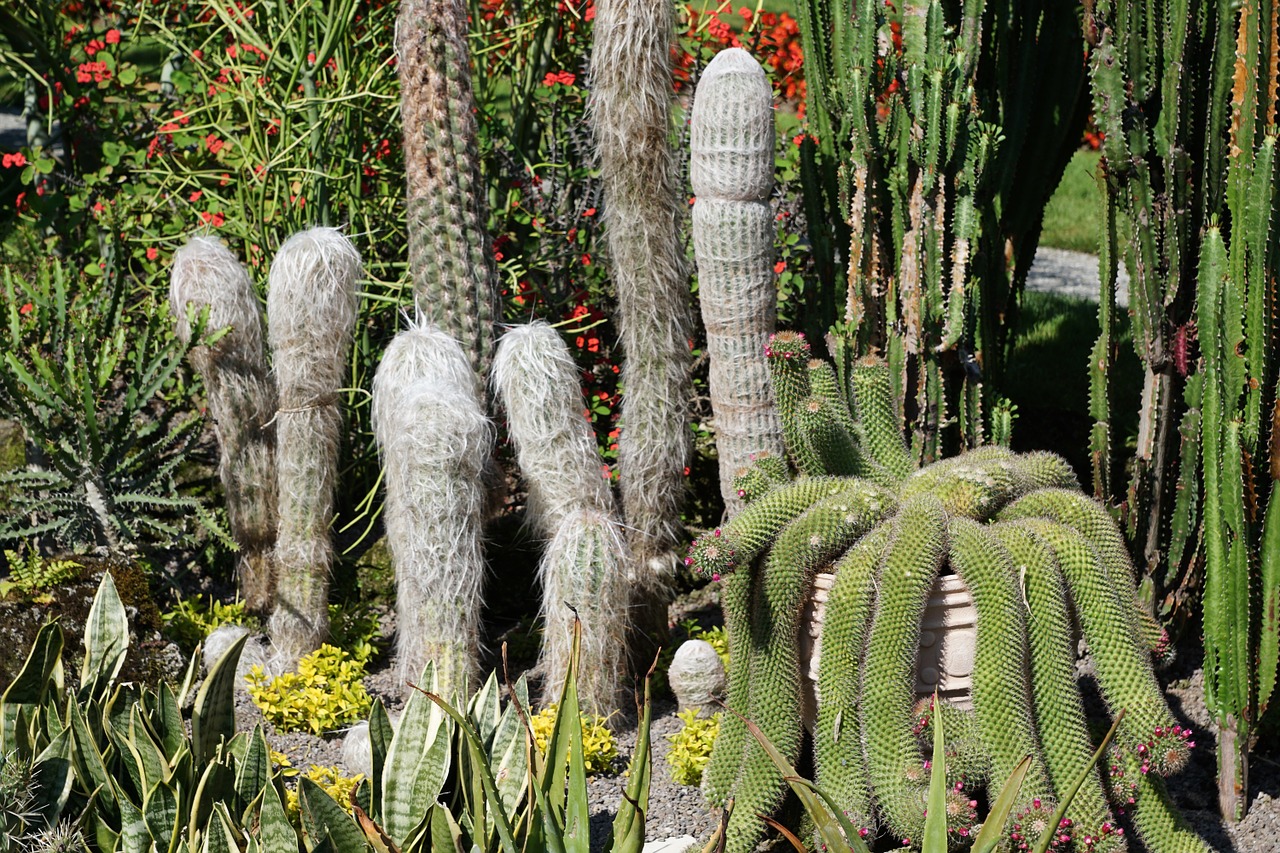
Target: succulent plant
1035, 554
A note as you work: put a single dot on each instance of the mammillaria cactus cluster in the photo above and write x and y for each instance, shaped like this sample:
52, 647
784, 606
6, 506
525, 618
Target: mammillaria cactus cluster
1035, 554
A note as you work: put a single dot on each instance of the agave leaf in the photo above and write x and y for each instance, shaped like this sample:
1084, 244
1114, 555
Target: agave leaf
322, 816
148, 754
172, 731
509, 756
485, 710
476, 752
417, 761
380, 736
220, 836
628, 823
275, 832
993, 829
833, 827
446, 836
42, 670
935, 820
106, 640
134, 837
217, 785
214, 716
791, 837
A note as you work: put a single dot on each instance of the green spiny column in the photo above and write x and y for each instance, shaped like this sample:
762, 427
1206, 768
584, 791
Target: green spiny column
1123, 666
837, 739
898, 777
788, 355
1001, 689
828, 441
1157, 820
825, 530
752, 530
721, 773
455, 279
1060, 714
878, 415
968, 763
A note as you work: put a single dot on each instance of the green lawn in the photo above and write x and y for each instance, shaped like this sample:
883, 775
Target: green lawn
1073, 217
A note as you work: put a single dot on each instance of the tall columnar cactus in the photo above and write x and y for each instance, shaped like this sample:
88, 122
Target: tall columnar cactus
1186, 95
1036, 555
435, 440
584, 576
585, 566
455, 281
537, 382
731, 169
931, 157
630, 108
242, 401
311, 312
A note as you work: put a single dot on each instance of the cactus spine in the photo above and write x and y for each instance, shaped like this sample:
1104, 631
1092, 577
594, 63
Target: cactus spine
242, 401
630, 111
731, 169
455, 281
435, 440
311, 311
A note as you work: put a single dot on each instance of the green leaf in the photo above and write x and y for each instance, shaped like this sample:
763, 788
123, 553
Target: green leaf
214, 715
417, 761
380, 737
275, 832
322, 816
993, 829
935, 821
255, 768
53, 775
42, 670
475, 750
160, 811
628, 824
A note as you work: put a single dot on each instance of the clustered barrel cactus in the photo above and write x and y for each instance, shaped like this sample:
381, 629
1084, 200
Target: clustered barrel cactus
1036, 555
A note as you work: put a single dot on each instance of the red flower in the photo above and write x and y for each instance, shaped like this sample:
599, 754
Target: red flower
16, 159
26, 309
213, 143
779, 267
113, 36
195, 196
590, 211
217, 220
563, 77
93, 47
152, 253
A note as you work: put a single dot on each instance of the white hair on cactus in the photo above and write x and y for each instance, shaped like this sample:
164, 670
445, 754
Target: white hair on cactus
435, 441
585, 568
537, 382
311, 307
241, 400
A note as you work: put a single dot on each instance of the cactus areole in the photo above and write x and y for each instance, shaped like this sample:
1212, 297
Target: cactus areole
1037, 556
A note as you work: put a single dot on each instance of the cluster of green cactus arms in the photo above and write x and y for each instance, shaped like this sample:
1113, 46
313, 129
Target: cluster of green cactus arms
1036, 555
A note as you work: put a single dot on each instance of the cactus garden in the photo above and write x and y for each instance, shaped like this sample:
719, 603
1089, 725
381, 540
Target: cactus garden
639, 425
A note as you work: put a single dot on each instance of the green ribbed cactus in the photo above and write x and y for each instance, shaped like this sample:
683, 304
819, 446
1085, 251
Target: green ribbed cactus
938, 132
242, 401
311, 312
1036, 555
1186, 93
434, 437
731, 170
455, 279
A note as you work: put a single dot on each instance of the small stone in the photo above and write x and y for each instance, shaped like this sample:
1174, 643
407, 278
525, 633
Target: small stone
697, 677
670, 845
357, 756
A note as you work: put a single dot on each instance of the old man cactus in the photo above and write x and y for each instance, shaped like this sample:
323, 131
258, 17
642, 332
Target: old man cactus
1037, 556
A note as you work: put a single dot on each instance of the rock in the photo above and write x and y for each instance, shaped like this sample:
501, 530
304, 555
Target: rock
671, 845
357, 753
697, 677
256, 650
